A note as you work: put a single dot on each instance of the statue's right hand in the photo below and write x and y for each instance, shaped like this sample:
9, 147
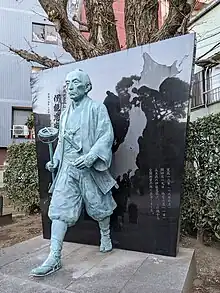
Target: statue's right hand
52, 166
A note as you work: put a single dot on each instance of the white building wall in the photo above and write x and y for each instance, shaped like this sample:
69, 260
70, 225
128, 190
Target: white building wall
207, 29
16, 18
204, 111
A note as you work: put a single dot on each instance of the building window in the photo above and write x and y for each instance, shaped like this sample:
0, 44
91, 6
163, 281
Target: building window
206, 87
212, 85
20, 117
198, 89
44, 33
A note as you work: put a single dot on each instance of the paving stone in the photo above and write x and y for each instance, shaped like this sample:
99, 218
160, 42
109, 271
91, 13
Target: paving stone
21, 267
163, 273
111, 274
137, 287
86, 270
17, 251
10, 284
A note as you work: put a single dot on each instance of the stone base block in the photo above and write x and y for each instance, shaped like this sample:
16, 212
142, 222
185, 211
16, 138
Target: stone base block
86, 270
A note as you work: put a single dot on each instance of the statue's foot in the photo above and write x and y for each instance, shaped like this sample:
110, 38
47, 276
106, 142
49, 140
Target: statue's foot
106, 244
50, 266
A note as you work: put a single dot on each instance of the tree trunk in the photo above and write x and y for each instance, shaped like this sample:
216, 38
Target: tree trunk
141, 25
34, 57
72, 40
102, 25
129, 11
178, 12
146, 20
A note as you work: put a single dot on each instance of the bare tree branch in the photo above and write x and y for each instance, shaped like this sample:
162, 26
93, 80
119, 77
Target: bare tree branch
34, 57
73, 41
183, 29
141, 26
31, 48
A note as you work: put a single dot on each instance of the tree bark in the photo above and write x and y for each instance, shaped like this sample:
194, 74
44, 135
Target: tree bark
141, 25
146, 20
102, 25
130, 29
141, 21
178, 12
72, 40
34, 57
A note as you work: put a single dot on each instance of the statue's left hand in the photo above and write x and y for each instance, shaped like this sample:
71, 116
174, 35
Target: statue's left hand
85, 161
80, 162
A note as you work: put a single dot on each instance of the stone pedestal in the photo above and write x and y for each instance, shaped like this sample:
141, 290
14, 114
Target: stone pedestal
86, 270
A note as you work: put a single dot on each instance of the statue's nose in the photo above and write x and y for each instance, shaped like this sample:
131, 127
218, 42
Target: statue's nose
71, 86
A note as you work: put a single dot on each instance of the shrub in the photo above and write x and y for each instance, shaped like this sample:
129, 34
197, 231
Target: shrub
21, 177
201, 197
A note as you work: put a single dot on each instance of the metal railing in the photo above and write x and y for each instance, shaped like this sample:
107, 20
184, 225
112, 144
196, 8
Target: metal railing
206, 98
197, 101
212, 96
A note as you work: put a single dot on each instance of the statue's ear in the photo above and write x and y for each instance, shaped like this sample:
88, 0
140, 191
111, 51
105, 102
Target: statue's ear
88, 88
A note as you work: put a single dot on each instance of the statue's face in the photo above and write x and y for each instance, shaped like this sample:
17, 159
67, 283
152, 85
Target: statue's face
76, 86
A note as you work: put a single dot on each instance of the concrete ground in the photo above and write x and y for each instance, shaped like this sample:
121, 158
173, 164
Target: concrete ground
86, 270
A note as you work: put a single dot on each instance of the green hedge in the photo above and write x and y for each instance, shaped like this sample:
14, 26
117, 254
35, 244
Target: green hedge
201, 198
21, 177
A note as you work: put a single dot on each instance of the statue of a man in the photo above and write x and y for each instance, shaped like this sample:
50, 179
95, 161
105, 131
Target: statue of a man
83, 156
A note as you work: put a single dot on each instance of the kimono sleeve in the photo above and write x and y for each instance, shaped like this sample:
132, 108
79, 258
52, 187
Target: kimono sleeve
104, 137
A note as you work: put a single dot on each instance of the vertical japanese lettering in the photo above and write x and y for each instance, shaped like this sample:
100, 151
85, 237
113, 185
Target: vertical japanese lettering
163, 194
156, 185
169, 200
151, 190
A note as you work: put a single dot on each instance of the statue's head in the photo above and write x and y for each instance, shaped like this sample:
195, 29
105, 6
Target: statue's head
78, 84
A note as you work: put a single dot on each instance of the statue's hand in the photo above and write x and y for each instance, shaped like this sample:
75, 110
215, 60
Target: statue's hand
80, 162
51, 167
85, 161
90, 160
